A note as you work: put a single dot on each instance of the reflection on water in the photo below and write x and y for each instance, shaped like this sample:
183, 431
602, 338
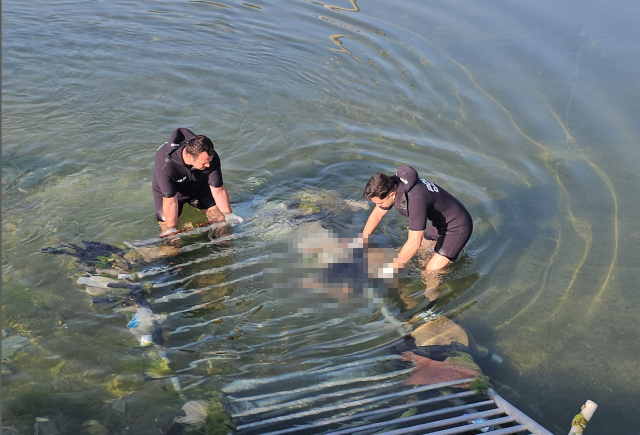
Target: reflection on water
338, 42
354, 8
522, 110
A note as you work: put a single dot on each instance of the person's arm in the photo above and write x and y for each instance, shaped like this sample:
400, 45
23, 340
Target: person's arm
406, 253
372, 223
221, 196
409, 249
170, 211
418, 221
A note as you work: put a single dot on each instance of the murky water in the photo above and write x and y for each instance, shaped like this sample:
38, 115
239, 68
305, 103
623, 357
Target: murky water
525, 112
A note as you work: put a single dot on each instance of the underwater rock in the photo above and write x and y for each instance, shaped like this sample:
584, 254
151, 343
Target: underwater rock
93, 427
11, 344
104, 282
44, 426
6, 371
356, 205
440, 332
119, 406
96, 281
95, 291
94, 251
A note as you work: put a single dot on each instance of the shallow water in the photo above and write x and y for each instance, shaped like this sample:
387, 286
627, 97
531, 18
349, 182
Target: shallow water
523, 111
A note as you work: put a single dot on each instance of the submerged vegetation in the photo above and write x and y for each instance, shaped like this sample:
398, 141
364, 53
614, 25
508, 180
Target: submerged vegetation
218, 420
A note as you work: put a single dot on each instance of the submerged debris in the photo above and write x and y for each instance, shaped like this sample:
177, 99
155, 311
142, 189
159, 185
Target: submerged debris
196, 413
428, 371
212, 415
11, 344
459, 365
95, 253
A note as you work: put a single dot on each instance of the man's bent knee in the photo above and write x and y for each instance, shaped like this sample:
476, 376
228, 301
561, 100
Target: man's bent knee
437, 262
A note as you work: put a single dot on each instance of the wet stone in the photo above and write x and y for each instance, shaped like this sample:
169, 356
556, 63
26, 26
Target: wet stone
119, 406
95, 291
93, 427
44, 426
6, 371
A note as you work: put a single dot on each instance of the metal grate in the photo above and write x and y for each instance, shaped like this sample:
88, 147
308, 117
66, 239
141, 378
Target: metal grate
379, 407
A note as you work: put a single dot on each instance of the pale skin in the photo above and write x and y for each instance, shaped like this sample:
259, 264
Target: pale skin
414, 240
220, 195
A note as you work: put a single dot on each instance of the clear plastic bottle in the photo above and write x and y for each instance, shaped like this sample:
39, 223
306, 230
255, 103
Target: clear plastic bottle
481, 420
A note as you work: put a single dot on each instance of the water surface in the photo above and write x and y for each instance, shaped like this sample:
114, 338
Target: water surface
525, 112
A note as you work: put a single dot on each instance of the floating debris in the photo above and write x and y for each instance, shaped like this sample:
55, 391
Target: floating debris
196, 413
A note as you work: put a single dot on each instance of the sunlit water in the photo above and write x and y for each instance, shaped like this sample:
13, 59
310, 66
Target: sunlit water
526, 112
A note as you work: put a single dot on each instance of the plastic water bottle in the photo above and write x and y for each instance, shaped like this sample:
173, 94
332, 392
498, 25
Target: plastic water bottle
481, 420
486, 428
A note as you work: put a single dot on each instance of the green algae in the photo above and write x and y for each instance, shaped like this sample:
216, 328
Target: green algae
124, 385
580, 421
480, 383
157, 367
218, 421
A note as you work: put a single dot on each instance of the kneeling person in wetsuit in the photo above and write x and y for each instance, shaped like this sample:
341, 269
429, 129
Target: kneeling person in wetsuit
420, 200
187, 170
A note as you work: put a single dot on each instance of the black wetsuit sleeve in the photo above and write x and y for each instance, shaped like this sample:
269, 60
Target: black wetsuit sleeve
417, 208
163, 180
180, 135
215, 177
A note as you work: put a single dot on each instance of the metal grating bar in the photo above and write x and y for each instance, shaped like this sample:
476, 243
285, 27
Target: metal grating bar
342, 406
308, 400
264, 381
520, 416
426, 415
328, 421
425, 426
325, 385
454, 430
507, 430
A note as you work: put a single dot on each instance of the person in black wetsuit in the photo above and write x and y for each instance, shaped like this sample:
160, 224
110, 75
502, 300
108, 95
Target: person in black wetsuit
187, 170
450, 224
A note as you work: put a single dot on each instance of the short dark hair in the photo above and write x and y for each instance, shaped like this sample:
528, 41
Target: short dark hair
199, 144
379, 185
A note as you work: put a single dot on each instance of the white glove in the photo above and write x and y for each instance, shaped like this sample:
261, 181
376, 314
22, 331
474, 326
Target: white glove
233, 219
168, 232
386, 272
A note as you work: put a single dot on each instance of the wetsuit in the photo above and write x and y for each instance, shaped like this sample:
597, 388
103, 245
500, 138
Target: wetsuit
421, 200
172, 176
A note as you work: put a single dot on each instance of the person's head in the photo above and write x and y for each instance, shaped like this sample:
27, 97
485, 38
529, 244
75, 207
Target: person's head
381, 189
199, 152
